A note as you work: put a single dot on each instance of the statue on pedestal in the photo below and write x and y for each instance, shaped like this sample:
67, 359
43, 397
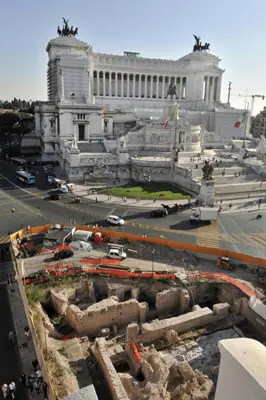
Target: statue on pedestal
171, 92
66, 31
198, 45
207, 171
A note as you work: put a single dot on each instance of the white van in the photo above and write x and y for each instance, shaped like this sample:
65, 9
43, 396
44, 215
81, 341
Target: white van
117, 254
85, 236
81, 245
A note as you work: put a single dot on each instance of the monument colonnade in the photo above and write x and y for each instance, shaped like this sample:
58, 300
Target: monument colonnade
147, 86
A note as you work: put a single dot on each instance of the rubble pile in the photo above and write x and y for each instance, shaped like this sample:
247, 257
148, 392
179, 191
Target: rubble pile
177, 381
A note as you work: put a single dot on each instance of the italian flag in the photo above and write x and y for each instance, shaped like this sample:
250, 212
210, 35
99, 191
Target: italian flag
166, 123
240, 122
171, 118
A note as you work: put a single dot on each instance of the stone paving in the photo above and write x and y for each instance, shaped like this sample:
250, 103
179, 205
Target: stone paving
237, 205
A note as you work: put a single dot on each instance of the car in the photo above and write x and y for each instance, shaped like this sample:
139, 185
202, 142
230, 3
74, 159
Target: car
114, 220
55, 194
159, 213
66, 253
63, 189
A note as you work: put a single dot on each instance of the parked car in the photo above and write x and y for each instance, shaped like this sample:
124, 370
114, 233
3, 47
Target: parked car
114, 220
159, 213
55, 195
116, 254
66, 253
81, 245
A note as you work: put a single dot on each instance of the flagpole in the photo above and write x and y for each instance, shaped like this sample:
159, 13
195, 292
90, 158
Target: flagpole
245, 130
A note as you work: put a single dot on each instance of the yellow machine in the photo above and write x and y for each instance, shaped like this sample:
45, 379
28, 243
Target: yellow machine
224, 263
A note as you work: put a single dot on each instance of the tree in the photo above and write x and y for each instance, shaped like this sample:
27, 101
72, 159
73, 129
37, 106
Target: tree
13, 126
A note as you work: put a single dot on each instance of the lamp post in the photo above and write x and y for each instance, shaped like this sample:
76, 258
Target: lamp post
152, 265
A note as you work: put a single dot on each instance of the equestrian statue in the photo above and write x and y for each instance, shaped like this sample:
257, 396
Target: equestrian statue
207, 171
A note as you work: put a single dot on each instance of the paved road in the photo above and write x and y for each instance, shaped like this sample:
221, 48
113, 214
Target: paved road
239, 232
10, 365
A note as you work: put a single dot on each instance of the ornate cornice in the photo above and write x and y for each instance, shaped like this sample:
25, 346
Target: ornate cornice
70, 42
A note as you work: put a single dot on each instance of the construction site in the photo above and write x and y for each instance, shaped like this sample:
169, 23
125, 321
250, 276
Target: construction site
134, 334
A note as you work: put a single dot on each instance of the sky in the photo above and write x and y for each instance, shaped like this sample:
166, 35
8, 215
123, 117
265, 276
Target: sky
154, 28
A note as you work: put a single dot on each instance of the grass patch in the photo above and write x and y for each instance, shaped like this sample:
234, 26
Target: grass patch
159, 191
35, 294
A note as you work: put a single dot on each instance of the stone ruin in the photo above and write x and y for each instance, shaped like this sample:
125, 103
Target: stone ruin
163, 381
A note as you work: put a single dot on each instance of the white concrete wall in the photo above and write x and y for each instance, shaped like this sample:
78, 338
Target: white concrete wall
66, 124
257, 306
225, 121
195, 87
95, 123
242, 370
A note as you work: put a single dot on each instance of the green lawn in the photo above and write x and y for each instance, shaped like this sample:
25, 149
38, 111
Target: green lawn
160, 191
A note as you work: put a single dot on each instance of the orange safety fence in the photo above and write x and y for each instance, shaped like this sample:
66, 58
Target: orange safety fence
98, 261
223, 277
136, 352
127, 274
243, 258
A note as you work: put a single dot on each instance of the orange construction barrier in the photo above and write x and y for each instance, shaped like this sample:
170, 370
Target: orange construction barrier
223, 277
243, 258
136, 352
99, 261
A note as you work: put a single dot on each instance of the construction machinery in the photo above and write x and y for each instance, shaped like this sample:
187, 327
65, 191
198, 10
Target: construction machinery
224, 263
252, 97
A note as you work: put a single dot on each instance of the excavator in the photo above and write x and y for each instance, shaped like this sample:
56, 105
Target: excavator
224, 263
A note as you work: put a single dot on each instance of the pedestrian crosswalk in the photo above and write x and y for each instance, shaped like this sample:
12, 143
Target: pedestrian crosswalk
208, 235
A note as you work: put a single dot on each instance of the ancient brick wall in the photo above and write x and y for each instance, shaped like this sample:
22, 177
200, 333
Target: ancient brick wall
115, 385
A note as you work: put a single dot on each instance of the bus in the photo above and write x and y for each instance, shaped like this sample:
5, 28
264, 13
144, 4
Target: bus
25, 177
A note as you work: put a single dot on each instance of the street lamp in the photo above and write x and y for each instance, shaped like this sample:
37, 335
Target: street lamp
152, 265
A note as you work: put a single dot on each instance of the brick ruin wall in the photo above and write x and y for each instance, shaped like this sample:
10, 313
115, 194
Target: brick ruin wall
157, 329
115, 385
172, 301
103, 314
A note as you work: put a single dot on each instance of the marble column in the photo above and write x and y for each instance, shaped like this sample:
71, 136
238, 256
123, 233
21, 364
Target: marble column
128, 80
134, 86
98, 83
146, 86
110, 83
151, 88
218, 97
103, 83
140, 84
122, 85
180, 88
212, 90
116, 78
157, 87
207, 88
163, 87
